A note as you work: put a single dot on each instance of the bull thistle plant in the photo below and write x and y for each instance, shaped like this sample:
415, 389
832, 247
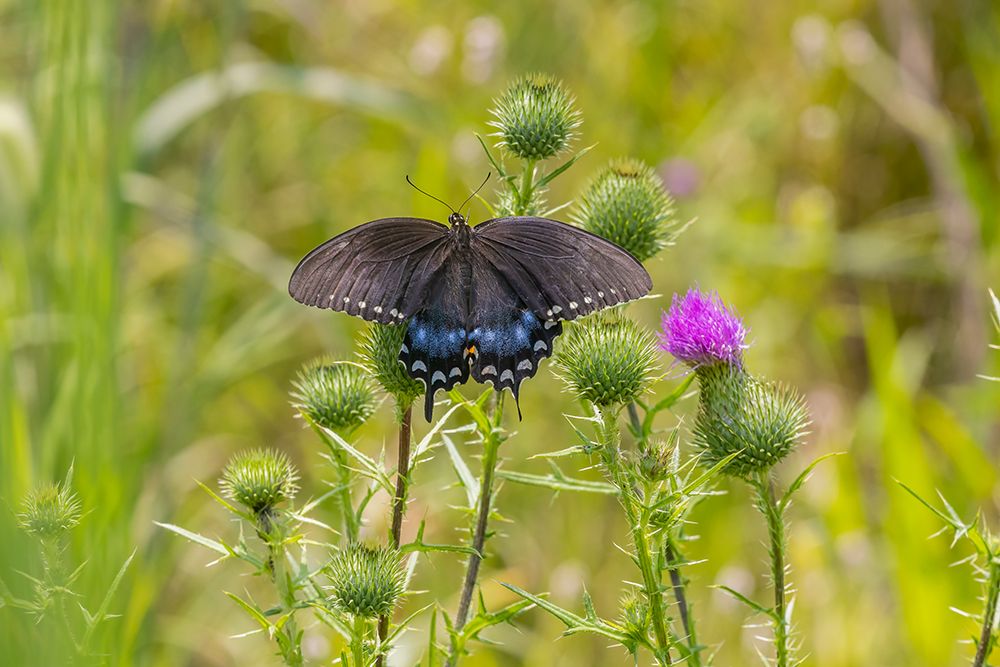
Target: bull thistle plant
351, 587
70, 624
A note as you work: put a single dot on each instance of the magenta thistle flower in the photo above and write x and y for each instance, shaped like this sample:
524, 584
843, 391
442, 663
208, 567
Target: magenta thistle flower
700, 330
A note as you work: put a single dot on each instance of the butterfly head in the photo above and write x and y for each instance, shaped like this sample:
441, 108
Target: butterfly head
456, 219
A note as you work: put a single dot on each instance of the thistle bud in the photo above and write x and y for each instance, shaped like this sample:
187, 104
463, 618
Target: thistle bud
657, 459
508, 203
366, 581
635, 615
380, 347
607, 362
739, 413
535, 117
335, 395
260, 480
49, 510
627, 204
701, 331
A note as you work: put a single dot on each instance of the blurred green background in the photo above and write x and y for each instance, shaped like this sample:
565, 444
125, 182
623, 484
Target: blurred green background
163, 165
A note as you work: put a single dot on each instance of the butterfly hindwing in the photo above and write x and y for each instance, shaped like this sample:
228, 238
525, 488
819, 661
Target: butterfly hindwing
558, 270
508, 338
434, 346
379, 271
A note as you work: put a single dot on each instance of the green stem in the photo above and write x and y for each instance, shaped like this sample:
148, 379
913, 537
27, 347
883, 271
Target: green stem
527, 187
638, 519
985, 645
491, 448
358, 641
351, 528
398, 503
774, 514
286, 591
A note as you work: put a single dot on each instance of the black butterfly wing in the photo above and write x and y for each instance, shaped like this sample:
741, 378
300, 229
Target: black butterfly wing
434, 347
508, 338
558, 270
379, 271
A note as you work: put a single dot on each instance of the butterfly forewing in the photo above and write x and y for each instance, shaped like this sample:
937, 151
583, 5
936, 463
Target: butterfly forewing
559, 271
379, 271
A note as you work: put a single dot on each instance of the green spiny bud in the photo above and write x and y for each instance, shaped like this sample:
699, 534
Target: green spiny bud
535, 117
658, 459
635, 615
626, 204
49, 511
380, 348
336, 395
260, 479
366, 581
739, 413
607, 361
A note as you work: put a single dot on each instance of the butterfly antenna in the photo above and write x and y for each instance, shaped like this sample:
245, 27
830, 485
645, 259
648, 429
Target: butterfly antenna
424, 192
481, 186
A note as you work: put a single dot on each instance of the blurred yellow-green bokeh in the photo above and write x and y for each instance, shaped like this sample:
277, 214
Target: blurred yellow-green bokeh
164, 164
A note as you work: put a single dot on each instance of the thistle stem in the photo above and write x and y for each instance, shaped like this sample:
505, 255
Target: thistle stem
479, 537
279, 575
985, 645
527, 187
398, 504
652, 587
774, 514
358, 641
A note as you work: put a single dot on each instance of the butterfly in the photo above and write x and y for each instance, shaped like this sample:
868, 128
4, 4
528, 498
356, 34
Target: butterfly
485, 301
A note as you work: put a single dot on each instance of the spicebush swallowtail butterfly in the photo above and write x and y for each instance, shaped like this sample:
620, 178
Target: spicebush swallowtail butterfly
485, 301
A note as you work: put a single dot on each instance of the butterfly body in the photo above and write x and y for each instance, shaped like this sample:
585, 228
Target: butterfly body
484, 302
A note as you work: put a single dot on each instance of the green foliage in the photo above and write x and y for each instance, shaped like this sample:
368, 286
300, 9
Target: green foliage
627, 204
365, 581
334, 395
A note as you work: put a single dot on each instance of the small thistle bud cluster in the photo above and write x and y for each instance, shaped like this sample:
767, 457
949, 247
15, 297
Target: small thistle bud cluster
657, 459
365, 580
627, 204
508, 204
260, 480
335, 395
739, 414
380, 348
607, 361
535, 117
49, 511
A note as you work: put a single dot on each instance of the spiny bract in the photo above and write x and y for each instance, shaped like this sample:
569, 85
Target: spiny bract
379, 353
366, 580
535, 117
336, 395
49, 510
739, 413
259, 479
606, 360
626, 204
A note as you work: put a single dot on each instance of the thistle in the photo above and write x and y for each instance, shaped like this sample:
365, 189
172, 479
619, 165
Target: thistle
627, 204
607, 362
535, 117
379, 353
366, 581
260, 480
336, 395
49, 511
701, 331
